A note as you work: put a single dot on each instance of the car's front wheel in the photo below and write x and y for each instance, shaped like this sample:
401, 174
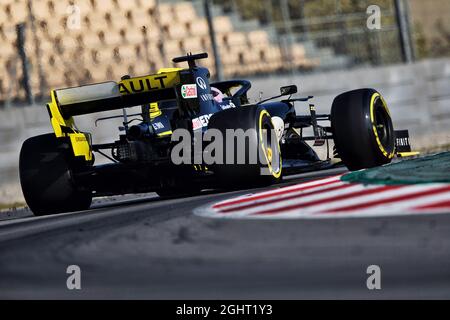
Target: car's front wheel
251, 150
362, 129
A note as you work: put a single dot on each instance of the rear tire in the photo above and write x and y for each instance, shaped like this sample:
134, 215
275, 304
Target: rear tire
46, 178
362, 129
267, 169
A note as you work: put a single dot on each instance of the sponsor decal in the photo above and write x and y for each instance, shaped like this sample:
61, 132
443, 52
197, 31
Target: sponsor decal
206, 97
201, 83
403, 142
228, 106
148, 83
189, 91
200, 122
157, 125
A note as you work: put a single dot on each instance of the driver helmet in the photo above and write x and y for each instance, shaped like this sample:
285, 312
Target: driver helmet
217, 94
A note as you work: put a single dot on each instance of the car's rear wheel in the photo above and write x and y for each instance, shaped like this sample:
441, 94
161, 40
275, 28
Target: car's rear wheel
362, 129
257, 159
46, 177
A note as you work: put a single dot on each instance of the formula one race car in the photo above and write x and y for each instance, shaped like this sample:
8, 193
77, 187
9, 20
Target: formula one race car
161, 150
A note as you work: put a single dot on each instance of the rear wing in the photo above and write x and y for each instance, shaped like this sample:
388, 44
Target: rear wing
69, 102
111, 95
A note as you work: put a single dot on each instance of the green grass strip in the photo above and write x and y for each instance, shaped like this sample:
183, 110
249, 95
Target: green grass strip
429, 169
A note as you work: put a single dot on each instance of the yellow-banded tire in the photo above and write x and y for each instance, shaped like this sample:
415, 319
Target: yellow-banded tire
238, 166
362, 129
46, 179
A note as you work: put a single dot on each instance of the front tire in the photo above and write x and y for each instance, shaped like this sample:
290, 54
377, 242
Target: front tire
46, 178
261, 144
362, 129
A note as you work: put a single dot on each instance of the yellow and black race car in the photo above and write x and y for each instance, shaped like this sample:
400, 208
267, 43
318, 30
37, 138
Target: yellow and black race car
192, 134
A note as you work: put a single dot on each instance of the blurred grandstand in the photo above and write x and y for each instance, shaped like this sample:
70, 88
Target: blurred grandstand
74, 42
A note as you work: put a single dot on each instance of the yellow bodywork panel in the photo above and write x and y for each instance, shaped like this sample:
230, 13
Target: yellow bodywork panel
57, 119
154, 108
158, 81
79, 141
81, 145
407, 154
165, 133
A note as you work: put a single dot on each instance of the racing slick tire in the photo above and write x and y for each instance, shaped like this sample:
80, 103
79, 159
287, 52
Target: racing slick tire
362, 129
46, 178
260, 155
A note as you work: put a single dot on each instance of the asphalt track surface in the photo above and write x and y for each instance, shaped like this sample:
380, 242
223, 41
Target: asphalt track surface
148, 248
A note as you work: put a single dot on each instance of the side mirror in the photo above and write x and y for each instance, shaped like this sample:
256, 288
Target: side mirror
288, 90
